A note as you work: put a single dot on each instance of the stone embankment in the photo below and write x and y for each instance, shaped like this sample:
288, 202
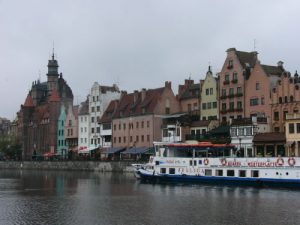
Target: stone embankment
122, 166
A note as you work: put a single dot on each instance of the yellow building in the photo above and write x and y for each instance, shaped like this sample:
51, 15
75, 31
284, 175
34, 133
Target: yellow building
292, 134
209, 95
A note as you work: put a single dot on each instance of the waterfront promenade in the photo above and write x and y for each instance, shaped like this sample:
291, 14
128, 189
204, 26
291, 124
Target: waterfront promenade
101, 166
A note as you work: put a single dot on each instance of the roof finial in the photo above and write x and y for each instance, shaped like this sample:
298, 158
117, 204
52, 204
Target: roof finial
53, 51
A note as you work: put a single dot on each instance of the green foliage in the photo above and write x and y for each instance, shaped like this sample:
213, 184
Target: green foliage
9, 149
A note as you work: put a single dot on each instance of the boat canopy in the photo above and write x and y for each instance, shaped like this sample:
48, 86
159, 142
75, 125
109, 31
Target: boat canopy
138, 150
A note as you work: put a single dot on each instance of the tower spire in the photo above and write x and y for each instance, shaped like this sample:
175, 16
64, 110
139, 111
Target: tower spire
53, 51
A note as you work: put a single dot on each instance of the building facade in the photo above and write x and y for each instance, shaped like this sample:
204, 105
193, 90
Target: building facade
138, 118
232, 82
38, 116
209, 98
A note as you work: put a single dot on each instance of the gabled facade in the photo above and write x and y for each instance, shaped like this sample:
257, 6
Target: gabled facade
285, 100
209, 98
189, 97
99, 98
262, 80
232, 82
138, 118
61, 139
71, 128
83, 125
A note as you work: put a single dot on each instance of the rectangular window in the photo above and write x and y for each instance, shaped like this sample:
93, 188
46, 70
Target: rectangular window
231, 105
231, 91
124, 139
137, 138
124, 126
234, 76
142, 138
211, 91
142, 125
208, 172
291, 128
257, 86
262, 100
284, 114
230, 173
224, 92
115, 126
214, 105
207, 91
254, 101
254, 173
98, 108
233, 131
148, 124
239, 105
209, 105
92, 119
171, 170
239, 90
115, 139
276, 116
223, 106
227, 77
98, 129
137, 125
298, 127
242, 173
219, 173
93, 130
162, 170
130, 138
120, 140
203, 105
148, 137
93, 109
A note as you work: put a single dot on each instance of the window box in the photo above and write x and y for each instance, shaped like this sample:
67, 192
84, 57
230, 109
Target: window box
226, 82
234, 81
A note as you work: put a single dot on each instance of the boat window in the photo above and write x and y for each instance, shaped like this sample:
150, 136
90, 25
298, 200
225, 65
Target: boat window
195, 162
157, 163
242, 173
208, 172
230, 173
254, 173
171, 170
219, 173
287, 173
162, 170
191, 162
200, 162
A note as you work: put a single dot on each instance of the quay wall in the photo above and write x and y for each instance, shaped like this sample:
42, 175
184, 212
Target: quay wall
121, 166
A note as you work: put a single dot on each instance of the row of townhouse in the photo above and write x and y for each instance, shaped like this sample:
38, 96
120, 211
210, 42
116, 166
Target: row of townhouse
244, 88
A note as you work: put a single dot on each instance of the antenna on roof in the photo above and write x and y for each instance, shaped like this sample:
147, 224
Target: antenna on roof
53, 51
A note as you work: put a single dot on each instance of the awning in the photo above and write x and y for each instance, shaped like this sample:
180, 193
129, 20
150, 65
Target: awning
140, 150
112, 150
49, 154
86, 150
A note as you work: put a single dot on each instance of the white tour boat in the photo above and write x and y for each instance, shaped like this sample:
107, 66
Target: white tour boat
217, 164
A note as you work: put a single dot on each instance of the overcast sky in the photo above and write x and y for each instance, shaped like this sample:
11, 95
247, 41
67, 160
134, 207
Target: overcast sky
136, 43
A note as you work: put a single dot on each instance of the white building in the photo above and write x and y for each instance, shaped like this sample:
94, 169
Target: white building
242, 132
83, 126
98, 100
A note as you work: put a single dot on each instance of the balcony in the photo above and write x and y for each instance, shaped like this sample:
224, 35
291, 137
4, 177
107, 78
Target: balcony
234, 81
223, 97
231, 95
239, 95
239, 110
231, 110
226, 82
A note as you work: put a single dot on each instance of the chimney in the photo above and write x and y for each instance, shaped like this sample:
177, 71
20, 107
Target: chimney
168, 84
143, 92
280, 64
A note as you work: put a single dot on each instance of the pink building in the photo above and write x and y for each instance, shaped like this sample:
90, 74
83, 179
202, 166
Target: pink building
137, 121
232, 82
258, 89
285, 100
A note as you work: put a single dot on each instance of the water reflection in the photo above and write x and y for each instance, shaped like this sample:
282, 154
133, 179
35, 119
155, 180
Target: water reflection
39, 197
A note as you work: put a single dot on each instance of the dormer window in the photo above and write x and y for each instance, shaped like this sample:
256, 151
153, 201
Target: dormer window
230, 64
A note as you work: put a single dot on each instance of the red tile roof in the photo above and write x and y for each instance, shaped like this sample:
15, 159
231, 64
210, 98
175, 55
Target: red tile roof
132, 104
109, 112
29, 101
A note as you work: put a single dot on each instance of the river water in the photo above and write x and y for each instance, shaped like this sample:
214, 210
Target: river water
82, 198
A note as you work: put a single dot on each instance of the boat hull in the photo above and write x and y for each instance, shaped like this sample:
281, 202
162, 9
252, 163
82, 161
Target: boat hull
257, 182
